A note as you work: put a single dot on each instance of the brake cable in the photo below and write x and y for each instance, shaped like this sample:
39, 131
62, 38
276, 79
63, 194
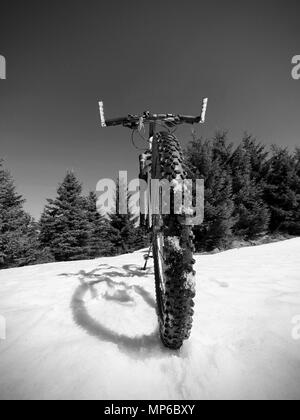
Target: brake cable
133, 141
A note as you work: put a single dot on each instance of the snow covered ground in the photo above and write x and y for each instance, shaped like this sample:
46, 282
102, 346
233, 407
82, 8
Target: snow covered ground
88, 330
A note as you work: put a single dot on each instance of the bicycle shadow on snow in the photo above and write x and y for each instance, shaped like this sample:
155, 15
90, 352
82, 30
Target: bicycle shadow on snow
140, 347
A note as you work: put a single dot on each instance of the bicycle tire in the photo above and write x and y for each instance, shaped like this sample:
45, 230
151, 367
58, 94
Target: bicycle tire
173, 253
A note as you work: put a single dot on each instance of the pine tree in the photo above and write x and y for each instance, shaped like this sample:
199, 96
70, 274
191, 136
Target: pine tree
295, 227
258, 156
142, 238
209, 160
124, 234
64, 226
282, 191
98, 243
251, 213
18, 235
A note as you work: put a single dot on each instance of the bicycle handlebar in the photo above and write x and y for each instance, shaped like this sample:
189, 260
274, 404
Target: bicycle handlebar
133, 121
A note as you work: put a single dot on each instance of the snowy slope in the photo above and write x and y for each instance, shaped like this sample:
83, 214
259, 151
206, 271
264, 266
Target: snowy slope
88, 330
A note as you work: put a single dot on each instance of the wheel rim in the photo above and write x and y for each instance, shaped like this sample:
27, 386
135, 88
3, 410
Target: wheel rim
159, 246
161, 265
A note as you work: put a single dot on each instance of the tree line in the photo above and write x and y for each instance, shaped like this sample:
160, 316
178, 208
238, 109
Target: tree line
249, 192
70, 228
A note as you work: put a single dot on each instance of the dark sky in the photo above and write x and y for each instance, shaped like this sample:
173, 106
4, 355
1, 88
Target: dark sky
62, 57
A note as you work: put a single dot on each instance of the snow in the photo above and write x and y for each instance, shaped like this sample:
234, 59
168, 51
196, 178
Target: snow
88, 330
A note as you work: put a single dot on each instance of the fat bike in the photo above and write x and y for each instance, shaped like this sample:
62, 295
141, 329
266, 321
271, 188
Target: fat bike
172, 234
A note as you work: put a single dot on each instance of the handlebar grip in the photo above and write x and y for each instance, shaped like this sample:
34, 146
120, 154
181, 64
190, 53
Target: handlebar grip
188, 119
114, 122
204, 109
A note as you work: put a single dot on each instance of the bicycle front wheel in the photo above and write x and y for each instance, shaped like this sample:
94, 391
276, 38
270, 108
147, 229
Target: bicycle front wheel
173, 254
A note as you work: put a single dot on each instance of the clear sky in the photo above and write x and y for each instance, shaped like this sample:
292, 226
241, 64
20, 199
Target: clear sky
62, 57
